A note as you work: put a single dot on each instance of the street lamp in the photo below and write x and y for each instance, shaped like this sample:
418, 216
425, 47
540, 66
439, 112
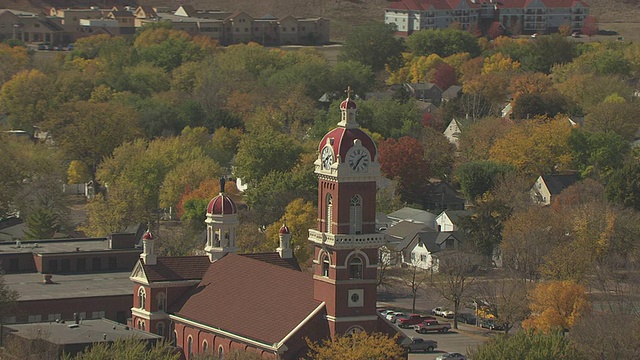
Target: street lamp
475, 303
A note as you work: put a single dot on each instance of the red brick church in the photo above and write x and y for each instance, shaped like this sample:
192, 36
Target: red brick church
263, 302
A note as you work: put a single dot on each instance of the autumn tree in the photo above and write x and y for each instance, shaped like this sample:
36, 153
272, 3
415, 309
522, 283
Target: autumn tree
484, 226
509, 296
444, 42
167, 48
127, 348
495, 29
374, 45
26, 99
530, 83
535, 147
444, 76
299, 216
356, 346
530, 345
550, 104
590, 26
414, 277
541, 55
13, 59
597, 342
403, 159
477, 140
438, 152
624, 185
455, 275
556, 306
614, 115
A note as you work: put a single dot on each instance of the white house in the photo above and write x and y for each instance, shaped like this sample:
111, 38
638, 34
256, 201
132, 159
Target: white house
547, 187
425, 247
398, 237
452, 132
410, 214
449, 220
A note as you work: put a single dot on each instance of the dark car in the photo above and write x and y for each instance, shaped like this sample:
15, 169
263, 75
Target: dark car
419, 344
466, 318
491, 325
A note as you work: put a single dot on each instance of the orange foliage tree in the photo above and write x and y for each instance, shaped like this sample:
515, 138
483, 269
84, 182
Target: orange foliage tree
556, 305
359, 345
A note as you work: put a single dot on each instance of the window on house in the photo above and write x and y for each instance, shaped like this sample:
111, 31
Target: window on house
162, 302
423, 258
325, 265
220, 352
205, 346
355, 268
190, 346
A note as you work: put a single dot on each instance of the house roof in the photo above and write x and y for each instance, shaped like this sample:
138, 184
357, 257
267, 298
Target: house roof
556, 183
452, 92
273, 299
403, 232
416, 215
274, 258
456, 215
423, 86
433, 240
174, 268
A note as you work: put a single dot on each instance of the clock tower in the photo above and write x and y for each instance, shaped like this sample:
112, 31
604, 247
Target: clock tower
346, 240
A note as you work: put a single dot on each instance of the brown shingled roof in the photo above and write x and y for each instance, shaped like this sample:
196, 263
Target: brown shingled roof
275, 259
177, 268
250, 298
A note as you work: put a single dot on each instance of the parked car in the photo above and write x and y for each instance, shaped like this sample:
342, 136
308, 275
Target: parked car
390, 314
398, 316
491, 324
451, 356
413, 319
466, 318
432, 325
441, 311
419, 344
384, 312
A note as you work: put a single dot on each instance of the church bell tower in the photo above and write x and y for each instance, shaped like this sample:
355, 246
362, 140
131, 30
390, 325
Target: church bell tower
346, 241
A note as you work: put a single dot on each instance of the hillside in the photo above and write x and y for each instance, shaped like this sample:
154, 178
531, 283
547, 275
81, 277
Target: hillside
343, 13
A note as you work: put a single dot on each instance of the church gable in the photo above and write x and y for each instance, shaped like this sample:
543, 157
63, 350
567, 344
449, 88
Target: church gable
138, 274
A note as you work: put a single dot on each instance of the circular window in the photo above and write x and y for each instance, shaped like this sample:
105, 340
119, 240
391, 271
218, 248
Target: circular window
355, 297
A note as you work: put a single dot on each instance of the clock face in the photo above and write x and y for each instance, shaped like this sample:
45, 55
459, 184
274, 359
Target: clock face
359, 159
327, 157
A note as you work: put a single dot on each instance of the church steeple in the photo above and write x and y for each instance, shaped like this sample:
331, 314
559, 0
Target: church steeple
148, 254
284, 236
222, 222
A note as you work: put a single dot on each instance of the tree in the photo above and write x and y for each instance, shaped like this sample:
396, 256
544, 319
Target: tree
624, 185
438, 152
590, 26
444, 42
36, 344
445, 76
13, 59
456, 273
42, 224
495, 29
530, 83
8, 298
541, 55
414, 278
477, 139
484, 227
535, 147
26, 99
128, 348
167, 48
351, 73
556, 306
527, 346
597, 155
403, 159
263, 152
476, 178
509, 296
614, 117
299, 216
374, 45
390, 118
550, 104
357, 346
225, 145
596, 342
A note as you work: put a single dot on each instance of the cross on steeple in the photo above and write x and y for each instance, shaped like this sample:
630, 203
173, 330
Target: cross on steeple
349, 92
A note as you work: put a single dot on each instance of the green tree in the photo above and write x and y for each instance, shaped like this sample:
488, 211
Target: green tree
374, 45
8, 298
444, 42
597, 155
548, 104
13, 59
351, 73
614, 117
42, 224
527, 346
541, 55
390, 118
225, 145
357, 346
438, 152
484, 227
476, 178
263, 152
166, 48
624, 185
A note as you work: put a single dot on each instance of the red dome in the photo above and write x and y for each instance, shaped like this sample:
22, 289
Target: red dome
147, 235
347, 104
284, 230
343, 140
222, 205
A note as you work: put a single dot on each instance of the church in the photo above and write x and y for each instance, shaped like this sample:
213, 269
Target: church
262, 302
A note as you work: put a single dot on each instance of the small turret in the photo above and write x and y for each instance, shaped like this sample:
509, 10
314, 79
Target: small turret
148, 255
284, 249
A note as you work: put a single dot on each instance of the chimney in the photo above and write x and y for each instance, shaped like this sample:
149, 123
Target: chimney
47, 279
285, 243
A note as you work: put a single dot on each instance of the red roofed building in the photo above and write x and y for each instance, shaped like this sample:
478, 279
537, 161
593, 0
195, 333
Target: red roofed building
262, 302
529, 16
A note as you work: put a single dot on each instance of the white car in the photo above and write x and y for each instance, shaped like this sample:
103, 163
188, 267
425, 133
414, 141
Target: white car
396, 316
451, 356
390, 315
441, 311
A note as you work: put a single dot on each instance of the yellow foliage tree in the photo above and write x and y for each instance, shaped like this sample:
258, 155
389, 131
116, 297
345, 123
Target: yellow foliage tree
78, 173
300, 216
357, 346
535, 147
500, 63
556, 305
13, 60
530, 83
456, 60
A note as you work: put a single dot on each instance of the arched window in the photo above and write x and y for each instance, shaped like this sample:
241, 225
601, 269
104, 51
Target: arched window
142, 297
139, 324
162, 301
355, 214
325, 265
190, 346
143, 327
160, 329
174, 338
355, 268
220, 352
329, 212
205, 346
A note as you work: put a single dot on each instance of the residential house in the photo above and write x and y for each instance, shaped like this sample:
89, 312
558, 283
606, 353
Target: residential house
453, 92
452, 132
410, 214
441, 196
547, 187
425, 91
425, 247
449, 220
399, 236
